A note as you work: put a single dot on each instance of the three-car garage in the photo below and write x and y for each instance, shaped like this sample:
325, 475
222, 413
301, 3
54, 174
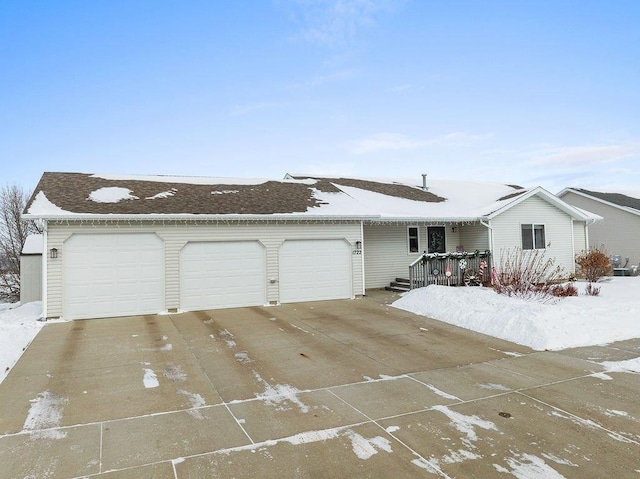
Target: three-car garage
109, 274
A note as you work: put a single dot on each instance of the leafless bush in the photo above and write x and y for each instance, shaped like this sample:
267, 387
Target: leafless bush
594, 263
563, 290
592, 290
528, 274
13, 232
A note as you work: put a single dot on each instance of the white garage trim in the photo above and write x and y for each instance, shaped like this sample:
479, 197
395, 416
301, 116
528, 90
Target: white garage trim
315, 270
222, 274
107, 275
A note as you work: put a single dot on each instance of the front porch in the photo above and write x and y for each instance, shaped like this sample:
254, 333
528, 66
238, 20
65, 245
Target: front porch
451, 269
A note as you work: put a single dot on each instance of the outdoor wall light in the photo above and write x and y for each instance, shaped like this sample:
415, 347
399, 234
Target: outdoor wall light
453, 229
358, 245
53, 253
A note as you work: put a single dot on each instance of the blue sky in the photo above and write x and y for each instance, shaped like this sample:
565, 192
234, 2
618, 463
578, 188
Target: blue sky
528, 92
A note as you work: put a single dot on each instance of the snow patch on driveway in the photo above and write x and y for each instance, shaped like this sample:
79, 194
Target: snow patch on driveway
150, 380
46, 413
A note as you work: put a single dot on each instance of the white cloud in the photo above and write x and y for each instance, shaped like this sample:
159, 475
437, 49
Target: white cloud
400, 88
337, 22
397, 141
575, 156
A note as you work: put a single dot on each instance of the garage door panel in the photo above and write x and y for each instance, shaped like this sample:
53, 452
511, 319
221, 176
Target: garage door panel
313, 270
222, 274
107, 275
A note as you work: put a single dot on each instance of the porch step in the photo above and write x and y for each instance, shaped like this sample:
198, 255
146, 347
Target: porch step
400, 285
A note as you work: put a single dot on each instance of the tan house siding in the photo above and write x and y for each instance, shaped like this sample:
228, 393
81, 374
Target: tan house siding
386, 253
177, 235
474, 237
579, 237
558, 231
30, 278
618, 231
386, 249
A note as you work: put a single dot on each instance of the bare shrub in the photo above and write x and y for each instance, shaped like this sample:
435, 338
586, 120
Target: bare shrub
13, 233
594, 263
592, 290
527, 274
563, 290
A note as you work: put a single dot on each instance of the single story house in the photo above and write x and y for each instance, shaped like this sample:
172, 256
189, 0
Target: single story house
128, 245
619, 229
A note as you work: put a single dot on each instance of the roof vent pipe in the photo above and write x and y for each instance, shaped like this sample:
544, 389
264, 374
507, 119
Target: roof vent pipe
424, 182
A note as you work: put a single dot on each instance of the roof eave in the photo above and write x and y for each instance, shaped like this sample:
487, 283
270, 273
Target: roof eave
236, 217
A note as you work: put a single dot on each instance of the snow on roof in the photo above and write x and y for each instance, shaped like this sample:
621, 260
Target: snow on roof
41, 206
190, 180
336, 197
111, 194
34, 244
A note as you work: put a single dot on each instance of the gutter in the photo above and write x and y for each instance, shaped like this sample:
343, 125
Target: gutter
281, 217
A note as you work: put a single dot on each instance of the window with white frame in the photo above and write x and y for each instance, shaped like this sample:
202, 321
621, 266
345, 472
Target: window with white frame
533, 236
413, 239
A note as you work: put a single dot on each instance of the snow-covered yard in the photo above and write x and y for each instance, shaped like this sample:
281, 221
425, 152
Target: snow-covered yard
581, 320
18, 326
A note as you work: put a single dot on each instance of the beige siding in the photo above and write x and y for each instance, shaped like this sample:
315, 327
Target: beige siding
618, 231
558, 231
176, 236
579, 237
30, 278
386, 253
386, 249
474, 237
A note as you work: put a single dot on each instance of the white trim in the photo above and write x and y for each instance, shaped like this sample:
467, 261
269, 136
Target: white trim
548, 197
362, 256
533, 236
409, 239
45, 261
573, 243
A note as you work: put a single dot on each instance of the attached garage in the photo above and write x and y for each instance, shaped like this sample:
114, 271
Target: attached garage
224, 274
314, 270
108, 275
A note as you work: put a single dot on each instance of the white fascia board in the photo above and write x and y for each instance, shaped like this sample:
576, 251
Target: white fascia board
600, 200
547, 196
425, 219
190, 217
282, 217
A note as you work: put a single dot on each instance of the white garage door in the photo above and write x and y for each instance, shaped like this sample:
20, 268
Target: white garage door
217, 275
112, 275
314, 270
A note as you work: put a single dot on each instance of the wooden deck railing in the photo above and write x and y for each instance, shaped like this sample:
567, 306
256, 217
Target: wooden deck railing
451, 269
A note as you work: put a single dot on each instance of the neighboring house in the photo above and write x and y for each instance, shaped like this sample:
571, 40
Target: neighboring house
128, 245
619, 230
31, 269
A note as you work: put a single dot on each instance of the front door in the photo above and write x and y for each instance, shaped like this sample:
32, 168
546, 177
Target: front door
435, 239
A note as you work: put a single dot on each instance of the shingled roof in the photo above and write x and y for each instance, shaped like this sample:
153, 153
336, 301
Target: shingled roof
74, 195
615, 198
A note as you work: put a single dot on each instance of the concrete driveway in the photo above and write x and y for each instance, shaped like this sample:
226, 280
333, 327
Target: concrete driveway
311, 390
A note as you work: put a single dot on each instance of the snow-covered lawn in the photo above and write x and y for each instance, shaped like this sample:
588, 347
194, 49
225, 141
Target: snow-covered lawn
18, 326
582, 320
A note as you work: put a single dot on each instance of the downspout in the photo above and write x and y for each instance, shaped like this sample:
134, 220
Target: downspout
490, 233
45, 257
490, 228
362, 256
